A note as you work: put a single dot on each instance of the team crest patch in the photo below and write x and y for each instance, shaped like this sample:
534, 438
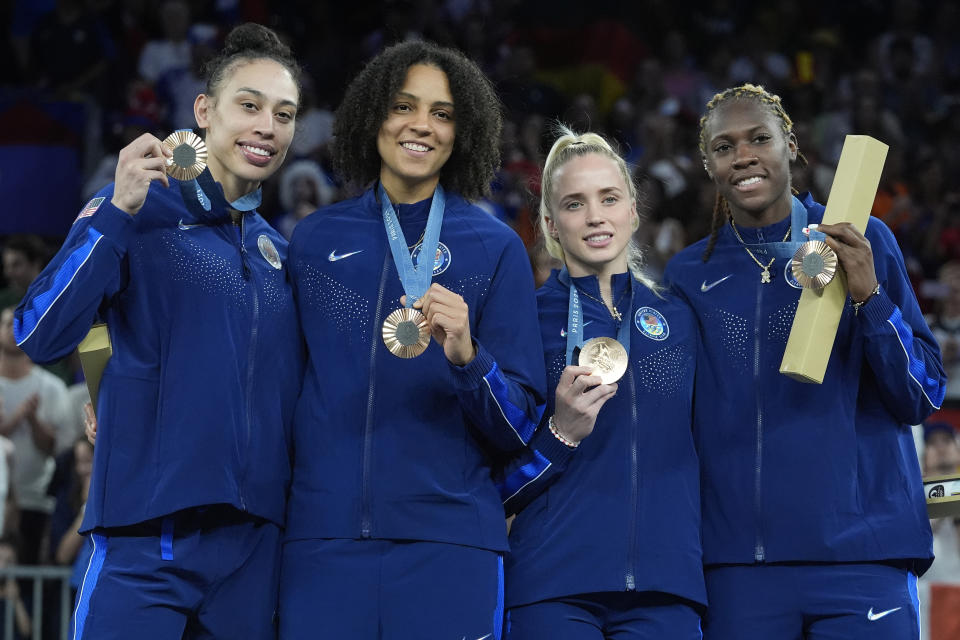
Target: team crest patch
440, 262
91, 208
268, 251
651, 323
788, 275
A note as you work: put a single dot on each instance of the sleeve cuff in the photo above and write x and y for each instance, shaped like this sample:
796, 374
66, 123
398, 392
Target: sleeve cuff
471, 375
878, 309
551, 448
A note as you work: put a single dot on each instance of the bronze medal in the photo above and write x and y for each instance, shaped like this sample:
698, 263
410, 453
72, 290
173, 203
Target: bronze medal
814, 265
406, 334
606, 357
189, 155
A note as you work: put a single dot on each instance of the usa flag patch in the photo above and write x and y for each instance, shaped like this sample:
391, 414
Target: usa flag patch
91, 208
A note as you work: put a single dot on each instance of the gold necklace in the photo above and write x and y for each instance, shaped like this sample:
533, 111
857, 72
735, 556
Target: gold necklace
614, 312
765, 274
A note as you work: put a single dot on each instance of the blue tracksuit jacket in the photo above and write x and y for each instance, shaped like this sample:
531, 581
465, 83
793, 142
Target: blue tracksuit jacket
795, 472
397, 448
622, 510
196, 403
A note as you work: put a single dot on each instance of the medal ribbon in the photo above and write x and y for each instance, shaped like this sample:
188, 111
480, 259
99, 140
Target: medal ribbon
205, 184
575, 318
199, 195
414, 278
798, 220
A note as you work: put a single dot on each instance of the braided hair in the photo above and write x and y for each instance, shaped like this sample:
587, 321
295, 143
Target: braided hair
771, 102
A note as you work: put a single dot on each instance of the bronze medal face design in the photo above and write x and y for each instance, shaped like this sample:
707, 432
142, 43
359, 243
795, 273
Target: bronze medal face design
189, 155
814, 265
405, 333
606, 357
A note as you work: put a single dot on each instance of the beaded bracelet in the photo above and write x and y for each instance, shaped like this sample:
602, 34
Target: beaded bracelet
558, 436
857, 305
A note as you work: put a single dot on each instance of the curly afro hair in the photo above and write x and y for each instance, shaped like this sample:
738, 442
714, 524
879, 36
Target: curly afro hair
476, 148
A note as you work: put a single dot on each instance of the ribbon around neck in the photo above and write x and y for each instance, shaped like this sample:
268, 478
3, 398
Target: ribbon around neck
798, 220
414, 278
575, 318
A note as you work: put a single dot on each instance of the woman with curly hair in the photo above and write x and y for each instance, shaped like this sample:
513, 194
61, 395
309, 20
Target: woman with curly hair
425, 365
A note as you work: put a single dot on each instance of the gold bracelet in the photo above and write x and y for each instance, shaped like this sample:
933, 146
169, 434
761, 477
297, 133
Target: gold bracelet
558, 436
857, 305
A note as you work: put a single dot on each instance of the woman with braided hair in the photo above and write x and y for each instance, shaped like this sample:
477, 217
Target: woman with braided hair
814, 521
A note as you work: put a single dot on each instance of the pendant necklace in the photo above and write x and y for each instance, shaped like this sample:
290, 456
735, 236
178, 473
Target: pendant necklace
765, 274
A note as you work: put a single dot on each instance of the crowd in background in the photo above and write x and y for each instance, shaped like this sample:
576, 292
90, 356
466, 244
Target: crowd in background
640, 73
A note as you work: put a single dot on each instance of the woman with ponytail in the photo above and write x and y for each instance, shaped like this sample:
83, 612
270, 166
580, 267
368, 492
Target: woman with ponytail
606, 542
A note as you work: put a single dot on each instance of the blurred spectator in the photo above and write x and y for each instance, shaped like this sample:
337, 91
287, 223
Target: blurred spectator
943, 237
10, 591
945, 325
941, 450
70, 486
304, 188
939, 588
177, 87
33, 417
24, 257
314, 125
173, 50
904, 29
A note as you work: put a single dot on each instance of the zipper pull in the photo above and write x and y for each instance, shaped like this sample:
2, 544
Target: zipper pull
243, 247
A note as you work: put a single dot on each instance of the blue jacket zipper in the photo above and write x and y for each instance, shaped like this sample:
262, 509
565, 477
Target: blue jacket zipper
251, 356
631, 582
758, 551
366, 517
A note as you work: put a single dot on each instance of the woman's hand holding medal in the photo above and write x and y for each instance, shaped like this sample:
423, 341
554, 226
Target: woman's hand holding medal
448, 317
855, 256
578, 401
140, 163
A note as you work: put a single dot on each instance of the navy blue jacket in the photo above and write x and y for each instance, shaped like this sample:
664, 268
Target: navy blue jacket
621, 511
196, 404
396, 448
795, 472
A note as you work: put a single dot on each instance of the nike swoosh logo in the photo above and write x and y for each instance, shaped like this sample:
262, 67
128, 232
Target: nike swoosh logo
187, 227
481, 637
333, 257
871, 616
563, 334
706, 287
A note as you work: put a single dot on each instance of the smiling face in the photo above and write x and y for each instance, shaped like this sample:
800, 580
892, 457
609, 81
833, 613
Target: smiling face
592, 215
416, 139
249, 124
748, 155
